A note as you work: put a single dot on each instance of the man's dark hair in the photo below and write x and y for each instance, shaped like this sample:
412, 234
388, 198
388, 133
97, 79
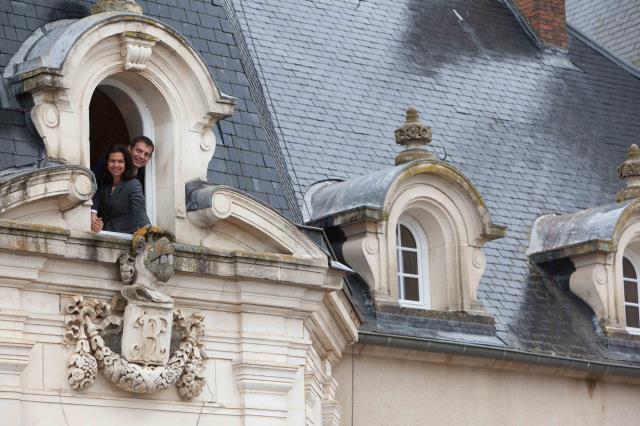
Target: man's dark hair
145, 140
106, 177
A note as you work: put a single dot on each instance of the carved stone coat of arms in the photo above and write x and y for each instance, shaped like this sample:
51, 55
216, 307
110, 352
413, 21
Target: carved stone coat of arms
148, 324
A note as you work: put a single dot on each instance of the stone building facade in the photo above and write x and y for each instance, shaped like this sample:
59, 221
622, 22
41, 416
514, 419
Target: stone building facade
305, 268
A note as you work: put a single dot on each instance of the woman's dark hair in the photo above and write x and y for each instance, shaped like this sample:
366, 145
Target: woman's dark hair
128, 164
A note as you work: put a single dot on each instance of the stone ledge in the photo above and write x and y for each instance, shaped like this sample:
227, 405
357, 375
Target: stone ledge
59, 242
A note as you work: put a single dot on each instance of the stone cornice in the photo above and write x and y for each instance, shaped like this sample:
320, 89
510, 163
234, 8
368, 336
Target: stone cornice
59, 242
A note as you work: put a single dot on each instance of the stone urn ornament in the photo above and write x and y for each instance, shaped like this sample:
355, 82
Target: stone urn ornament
145, 364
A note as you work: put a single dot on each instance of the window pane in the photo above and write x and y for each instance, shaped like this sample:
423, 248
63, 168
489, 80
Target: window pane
628, 271
406, 237
411, 289
410, 262
632, 316
631, 292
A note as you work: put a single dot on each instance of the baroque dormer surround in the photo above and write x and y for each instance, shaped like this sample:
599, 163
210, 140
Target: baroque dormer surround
431, 193
59, 67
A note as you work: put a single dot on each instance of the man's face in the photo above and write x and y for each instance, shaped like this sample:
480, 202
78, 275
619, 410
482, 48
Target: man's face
140, 154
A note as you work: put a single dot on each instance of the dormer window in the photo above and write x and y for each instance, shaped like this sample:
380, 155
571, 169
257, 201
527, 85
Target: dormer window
631, 299
414, 232
118, 62
412, 265
603, 244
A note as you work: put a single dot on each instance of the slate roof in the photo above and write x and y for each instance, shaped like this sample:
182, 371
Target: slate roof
535, 132
613, 23
246, 157
322, 85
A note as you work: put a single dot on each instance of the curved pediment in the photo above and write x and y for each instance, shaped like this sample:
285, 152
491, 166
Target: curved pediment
233, 220
54, 49
61, 64
376, 192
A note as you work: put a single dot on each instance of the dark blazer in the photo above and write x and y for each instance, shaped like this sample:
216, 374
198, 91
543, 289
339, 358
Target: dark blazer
122, 210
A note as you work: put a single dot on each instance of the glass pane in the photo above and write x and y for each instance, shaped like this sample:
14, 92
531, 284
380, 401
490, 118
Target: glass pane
411, 289
632, 316
628, 271
631, 292
410, 262
406, 237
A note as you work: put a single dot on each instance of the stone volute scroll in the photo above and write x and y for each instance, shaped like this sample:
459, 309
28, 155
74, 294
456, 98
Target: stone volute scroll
148, 323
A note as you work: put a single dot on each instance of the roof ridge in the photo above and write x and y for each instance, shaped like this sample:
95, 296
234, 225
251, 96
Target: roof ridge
621, 62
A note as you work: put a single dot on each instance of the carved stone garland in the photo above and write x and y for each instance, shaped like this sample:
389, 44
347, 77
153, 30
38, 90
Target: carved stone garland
144, 366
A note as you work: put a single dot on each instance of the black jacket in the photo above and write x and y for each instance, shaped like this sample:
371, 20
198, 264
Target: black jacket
122, 210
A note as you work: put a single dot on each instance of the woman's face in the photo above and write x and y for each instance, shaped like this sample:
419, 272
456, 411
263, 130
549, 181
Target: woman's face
115, 164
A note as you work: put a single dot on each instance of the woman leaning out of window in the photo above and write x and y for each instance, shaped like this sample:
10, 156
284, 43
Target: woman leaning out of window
118, 205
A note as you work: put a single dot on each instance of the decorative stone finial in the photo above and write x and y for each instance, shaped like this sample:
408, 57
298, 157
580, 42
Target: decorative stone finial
413, 134
130, 6
629, 172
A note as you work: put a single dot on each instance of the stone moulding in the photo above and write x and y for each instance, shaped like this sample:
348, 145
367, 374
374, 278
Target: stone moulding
56, 196
70, 185
185, 367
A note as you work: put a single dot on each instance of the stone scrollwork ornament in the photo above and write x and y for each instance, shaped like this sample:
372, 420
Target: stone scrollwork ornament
144, 364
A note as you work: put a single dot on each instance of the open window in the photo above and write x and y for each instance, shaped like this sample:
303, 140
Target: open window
116, 75
118, 112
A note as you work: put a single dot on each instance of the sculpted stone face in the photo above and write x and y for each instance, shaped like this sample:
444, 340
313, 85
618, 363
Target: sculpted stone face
159, 259
150, 261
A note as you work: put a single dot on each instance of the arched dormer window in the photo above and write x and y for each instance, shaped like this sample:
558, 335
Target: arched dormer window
383, 220
603, 244
412, 264
368, 212
159, 84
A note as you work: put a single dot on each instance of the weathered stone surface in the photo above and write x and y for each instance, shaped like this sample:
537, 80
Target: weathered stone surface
116, 6
413, 134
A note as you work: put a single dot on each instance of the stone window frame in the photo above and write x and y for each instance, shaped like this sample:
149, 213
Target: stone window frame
447, 208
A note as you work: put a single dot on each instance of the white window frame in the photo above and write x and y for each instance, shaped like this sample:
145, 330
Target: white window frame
635, 262
422, 249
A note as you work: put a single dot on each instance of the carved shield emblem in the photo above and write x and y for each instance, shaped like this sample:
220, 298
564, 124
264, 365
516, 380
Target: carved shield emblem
146, 333
146, 363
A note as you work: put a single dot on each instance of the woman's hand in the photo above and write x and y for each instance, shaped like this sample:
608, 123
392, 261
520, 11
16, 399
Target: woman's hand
96, 222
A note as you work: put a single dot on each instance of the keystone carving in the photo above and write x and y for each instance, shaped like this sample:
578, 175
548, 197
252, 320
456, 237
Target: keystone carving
148, 325
136, 50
